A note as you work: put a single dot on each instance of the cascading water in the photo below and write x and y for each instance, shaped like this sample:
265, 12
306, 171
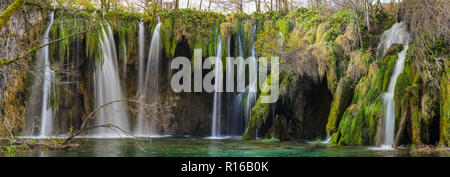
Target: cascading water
217, 105
47, 111
280, 37
241, 113
397, 34
252, 88
148, 87
140, 87
108, 89
238, 120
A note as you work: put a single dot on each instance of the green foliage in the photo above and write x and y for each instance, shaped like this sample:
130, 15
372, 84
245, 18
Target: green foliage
267, 43
15, 148
285, 26
126, 32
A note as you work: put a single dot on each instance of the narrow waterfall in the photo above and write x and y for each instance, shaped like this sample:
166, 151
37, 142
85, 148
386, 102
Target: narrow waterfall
141, 69
240, 111
273, 105
149, 88
253, 84
217, 105
108, 89
397, 34
47, 111
238, 119
280, 37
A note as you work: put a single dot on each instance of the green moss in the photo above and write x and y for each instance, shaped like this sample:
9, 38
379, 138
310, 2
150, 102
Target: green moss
350, 127
260, 111
341, 100
445, 108
258, 115
402, 83
358, 123
414, 101
285, 26
390, 61
269, 140
127, 34
4, 18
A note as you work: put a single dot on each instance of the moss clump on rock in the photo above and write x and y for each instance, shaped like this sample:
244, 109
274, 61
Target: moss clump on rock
260, 112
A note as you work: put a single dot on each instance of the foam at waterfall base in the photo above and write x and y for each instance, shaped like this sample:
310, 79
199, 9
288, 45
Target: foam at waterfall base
382, 148
327, 141
222, 137
42, 137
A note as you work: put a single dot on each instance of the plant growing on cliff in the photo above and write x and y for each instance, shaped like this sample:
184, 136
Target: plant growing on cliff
267, 43
4, 18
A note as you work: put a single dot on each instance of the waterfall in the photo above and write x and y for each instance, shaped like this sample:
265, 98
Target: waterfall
241, 112
397, 34
252, 88
140, 87
280, 37
238, 121
273, 119
108, 89
148, 87
47, 111
217, 105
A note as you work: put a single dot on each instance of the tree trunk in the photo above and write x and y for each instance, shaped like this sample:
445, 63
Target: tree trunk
358, 27
241, 6
367, 13
201, 1
209, 6
258, 4
271, 5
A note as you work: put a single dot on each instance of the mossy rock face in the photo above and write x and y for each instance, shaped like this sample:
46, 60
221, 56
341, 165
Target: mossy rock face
358, 124
351, 127
390, 61
444, 138
343, 97
403, 81
258, 115
394, 49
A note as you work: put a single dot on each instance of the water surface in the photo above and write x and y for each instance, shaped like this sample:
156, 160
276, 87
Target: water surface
200, 147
